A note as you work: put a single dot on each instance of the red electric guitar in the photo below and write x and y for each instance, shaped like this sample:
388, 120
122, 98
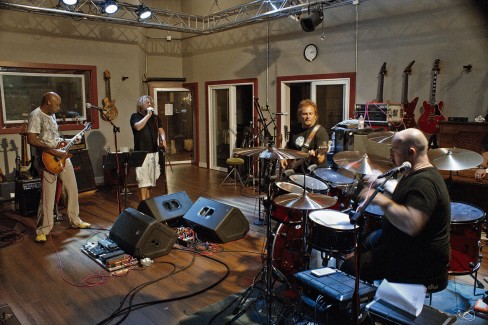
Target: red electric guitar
432, 115
408, 107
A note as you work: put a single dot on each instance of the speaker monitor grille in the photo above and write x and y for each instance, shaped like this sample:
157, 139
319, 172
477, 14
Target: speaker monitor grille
141, 236
217, 222
167, 208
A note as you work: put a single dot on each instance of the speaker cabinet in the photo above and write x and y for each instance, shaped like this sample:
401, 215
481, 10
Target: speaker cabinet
83, 170
168, 208
141, 236
27, 196
216, 222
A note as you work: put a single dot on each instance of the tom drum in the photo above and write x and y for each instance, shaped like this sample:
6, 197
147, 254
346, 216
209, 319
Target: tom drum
341, 183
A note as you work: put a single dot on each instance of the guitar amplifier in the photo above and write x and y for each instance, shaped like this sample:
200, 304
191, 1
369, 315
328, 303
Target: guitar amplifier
27, 196
372, 112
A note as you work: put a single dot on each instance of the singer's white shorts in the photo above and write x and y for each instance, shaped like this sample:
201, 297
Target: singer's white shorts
149, 172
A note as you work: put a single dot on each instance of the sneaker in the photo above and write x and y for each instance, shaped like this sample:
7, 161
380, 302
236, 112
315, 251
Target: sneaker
40, 238
82, 225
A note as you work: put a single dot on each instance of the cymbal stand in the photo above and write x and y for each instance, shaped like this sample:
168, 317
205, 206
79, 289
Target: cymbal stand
266, 274
357, 219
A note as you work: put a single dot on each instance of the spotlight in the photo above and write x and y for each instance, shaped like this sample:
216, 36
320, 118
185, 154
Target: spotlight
143, 12
70, 2
110, 7
312, 20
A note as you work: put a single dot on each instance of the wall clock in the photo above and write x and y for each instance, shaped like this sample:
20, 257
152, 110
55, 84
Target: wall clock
310, 52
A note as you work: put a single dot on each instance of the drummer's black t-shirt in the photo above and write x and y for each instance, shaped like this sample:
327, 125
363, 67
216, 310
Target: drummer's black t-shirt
414, 258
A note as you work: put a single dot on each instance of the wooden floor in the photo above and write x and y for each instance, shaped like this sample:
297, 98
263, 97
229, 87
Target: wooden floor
55, 283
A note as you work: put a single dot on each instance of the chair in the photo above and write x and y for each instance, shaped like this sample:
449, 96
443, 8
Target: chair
233, 163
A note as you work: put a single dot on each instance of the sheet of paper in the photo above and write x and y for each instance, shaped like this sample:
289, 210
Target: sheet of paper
409, 297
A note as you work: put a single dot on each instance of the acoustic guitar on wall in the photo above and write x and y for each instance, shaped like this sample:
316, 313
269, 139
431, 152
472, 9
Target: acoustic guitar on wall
432, 115
408, 107
109, 112
54, 164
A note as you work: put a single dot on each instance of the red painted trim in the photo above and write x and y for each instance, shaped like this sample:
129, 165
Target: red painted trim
91, 116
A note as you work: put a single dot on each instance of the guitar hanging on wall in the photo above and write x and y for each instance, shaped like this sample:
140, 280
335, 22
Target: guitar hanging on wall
408, 107
432, 115
54, 164
381, 82
109, 112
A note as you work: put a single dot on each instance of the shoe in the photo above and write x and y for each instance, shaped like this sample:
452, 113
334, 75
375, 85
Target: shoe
82, 225
40, 238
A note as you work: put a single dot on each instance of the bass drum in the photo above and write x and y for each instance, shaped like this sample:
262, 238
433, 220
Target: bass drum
466, 225
287, 254
342, 184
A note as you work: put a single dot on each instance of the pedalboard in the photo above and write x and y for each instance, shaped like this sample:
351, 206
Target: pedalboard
108, 254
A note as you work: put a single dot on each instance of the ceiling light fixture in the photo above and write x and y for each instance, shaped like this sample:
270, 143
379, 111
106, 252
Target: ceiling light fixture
110, 7
70, 2
143, 12
312, 20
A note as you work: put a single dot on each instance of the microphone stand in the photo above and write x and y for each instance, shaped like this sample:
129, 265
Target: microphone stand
115, 129
357, 219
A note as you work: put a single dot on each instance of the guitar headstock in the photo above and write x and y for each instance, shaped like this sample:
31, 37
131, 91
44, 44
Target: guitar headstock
436, 67
106, 75
383, 69
408, 68
87, 126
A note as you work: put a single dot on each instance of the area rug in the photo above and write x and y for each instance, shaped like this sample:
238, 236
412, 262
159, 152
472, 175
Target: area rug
457, 299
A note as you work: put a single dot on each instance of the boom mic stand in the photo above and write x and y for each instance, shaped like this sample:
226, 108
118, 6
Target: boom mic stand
357, 218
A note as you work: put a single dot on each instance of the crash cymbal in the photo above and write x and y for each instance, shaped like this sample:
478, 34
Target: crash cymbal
381, 137
310, 201
454, 158
362, 163
270, 153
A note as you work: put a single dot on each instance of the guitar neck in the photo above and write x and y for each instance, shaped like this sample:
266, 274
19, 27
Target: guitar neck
107, 88
379, 95
405, 89
434, 89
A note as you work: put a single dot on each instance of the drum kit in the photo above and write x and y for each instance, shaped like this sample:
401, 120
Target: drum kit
311, 209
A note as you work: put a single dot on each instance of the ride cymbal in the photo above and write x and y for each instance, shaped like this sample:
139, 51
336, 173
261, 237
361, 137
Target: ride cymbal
362, 163
310, 201
454, 158
270, 153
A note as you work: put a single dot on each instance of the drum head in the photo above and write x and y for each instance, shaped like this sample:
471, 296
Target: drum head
289, 187
465, 213
310, 182
338, 177
331, 219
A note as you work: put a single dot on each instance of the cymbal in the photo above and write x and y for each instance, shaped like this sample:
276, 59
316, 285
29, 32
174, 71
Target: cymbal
270, 153
362, 163
309, 201
381, 137
454, 158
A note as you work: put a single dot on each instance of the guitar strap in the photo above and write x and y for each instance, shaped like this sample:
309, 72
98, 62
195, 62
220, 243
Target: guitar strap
310, 136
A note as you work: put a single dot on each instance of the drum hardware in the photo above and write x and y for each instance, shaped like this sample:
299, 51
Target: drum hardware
362, 163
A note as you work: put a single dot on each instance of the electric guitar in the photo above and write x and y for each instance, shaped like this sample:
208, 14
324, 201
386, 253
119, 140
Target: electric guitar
408, 107
55, 164
381, 81
110, 112
432, 115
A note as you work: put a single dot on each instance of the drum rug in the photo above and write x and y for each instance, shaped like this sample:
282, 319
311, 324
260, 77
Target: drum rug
457, 298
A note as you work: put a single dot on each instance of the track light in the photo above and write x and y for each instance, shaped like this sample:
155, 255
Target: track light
110, 7
143, 12
312, 20
70, 2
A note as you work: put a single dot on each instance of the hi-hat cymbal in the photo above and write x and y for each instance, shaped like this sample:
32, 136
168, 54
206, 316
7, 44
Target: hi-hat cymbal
362, 163
454, 158
270, 153
381, 137
309, 201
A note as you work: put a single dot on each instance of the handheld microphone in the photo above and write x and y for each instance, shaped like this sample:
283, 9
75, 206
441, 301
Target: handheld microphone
88, 105
405, 166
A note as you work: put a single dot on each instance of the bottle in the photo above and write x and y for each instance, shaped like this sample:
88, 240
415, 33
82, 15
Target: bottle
361, 122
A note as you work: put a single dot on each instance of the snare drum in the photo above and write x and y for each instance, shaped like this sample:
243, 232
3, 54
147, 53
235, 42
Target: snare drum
312, 184
331, 231
283, 214
466, 225
341, 183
